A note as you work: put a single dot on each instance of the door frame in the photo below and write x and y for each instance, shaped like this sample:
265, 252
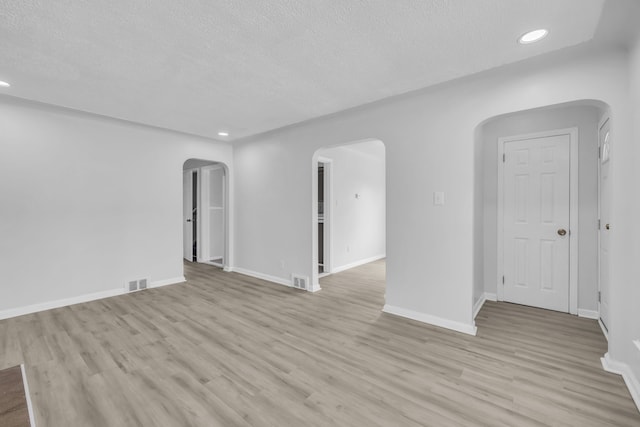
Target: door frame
606, 117
190, 172
204, 227
328, 214
573, 209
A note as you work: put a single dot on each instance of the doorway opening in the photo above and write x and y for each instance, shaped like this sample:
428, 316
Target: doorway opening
349, 207
205, 212
537, 208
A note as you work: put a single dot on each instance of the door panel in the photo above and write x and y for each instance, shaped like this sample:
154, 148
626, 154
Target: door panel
536, 207
605, 200
187, 215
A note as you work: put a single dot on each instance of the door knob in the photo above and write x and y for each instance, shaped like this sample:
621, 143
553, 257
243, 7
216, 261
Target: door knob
562, 232
607, 226
189, 220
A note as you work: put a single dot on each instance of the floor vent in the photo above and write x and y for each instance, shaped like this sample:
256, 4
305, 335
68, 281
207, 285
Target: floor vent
135, 285
299, 282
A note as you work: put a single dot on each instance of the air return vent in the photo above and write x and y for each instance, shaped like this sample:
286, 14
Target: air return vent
135, 285
299, 282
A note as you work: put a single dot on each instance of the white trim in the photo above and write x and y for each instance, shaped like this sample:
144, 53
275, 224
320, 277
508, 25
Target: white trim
165, 282
328, 213
588, 314
573, 210
616, 367
603, 121
357, 263
487, 296
34, 308
465, 328
25, 384
478, 305
605, 332
49, 305
262, 276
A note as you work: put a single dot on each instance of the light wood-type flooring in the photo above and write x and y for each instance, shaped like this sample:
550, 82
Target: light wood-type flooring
228, 350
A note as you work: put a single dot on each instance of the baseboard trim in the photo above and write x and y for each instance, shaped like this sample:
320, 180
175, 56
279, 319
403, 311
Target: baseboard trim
588, 314
356, 263
604, 330
616, 367
262, 276
34, 308
483, 298
49, 305
25, 384
489, 296
465, 328
173, 281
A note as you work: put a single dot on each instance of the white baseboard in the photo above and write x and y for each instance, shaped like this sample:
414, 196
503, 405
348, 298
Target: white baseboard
227, 269
49, 305
589, 314
356, 264
166, 282
489, 296
604, 330
483, 298
623, 369
465, 328
267, 277
25, 384
34, 308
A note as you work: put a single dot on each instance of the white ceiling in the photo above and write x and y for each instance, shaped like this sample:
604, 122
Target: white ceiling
252, 66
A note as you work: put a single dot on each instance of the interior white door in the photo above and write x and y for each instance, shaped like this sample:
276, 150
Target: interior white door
187, 215
605, 202
536, 222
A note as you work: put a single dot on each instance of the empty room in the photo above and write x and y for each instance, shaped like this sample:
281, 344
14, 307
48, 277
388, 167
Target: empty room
320, 213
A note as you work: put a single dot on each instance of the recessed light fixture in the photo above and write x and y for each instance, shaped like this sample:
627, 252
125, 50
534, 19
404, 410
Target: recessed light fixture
223, 133
533, 36
4, 84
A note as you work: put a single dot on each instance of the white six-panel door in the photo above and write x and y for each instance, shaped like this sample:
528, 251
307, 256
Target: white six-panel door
536, 216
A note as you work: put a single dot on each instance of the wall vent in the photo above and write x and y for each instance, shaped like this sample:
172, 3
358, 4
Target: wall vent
135, 285
299, 282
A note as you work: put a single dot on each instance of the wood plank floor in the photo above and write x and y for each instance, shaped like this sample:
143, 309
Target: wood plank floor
229, 350
13, 403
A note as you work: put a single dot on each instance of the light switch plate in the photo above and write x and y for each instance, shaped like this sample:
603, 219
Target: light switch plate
438, 198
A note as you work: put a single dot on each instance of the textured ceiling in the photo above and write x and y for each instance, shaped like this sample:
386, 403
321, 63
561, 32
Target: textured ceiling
251, 66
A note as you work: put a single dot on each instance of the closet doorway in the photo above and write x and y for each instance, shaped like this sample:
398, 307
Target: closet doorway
325, 184
204, 210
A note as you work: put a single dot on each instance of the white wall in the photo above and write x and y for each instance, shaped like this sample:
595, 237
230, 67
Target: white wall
624, 356
88, 202
358, 224
585, 118
429, 140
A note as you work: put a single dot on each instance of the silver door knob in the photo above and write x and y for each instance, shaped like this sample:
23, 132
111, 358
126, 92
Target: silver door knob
188, 220
562, 232
607, 226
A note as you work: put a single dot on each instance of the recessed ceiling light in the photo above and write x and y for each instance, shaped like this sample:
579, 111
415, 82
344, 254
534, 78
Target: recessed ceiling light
223, 133
533, 36
4, 84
